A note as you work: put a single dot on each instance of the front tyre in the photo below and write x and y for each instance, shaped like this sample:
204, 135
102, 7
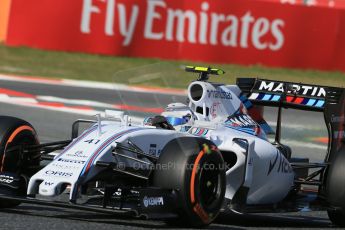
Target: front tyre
15, 133
195, 168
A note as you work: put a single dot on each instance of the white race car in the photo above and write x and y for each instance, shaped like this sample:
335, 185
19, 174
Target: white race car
191, 162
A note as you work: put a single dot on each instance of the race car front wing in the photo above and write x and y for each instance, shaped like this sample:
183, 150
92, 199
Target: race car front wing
149, 203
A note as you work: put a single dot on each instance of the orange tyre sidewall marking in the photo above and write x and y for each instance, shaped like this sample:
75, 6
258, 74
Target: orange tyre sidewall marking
197, 208
201, 213
192, 180
11, 138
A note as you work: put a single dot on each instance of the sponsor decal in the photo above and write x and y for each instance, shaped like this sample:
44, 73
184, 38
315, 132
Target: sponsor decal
153, 149
283, 164
214, 109
47, 183
6, 179
78, 154
338, 119
58, 173
305, 90
339, 134
219, 94
118, 192
71, 161
153, 201
63, 166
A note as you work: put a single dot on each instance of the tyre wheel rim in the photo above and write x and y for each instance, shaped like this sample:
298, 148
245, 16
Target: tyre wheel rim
210, 185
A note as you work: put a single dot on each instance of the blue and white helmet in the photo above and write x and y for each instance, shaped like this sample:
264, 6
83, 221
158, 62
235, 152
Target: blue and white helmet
178, 114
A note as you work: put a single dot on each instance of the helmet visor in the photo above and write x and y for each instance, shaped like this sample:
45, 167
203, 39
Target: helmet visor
176, 120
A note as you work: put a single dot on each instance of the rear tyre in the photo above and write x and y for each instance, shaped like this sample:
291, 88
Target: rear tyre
337, 217
15, 132
195, 169
335, 188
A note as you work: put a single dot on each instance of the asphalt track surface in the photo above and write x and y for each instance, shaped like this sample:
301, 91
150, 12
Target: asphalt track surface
53, 125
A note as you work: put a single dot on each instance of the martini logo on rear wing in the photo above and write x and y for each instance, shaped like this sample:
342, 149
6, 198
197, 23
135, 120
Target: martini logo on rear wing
296, 89
288, 94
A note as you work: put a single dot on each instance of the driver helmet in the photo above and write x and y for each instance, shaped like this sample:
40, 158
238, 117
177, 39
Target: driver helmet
178, 114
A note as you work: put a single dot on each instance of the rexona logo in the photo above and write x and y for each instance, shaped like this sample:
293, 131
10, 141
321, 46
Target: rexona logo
153, 201
305, 90
197, 25
71, 161
58, 173
219, 94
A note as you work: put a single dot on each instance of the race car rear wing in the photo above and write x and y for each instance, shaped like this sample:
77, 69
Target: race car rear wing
288, 94
329, 100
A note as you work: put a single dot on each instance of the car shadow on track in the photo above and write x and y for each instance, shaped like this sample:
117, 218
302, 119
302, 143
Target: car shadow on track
232, 222
292, 220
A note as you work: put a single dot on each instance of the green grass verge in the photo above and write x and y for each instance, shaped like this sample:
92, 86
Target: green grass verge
140, 71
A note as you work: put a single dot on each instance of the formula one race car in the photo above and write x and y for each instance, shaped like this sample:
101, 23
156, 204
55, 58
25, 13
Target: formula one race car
191, 162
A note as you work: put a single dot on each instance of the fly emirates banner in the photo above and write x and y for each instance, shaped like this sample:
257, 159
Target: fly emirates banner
216, 31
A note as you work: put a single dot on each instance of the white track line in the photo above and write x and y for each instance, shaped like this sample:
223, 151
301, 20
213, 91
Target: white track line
301, 144
74, 101
92, 84
297, 127
31, 103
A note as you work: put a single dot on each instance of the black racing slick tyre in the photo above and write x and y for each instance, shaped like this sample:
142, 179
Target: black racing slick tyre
337, 217
335, 188
14, 134
195, 169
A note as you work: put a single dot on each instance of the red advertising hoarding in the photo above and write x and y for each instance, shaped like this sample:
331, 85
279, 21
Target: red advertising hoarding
233, 31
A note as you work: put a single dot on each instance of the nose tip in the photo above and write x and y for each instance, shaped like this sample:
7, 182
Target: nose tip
49, 188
